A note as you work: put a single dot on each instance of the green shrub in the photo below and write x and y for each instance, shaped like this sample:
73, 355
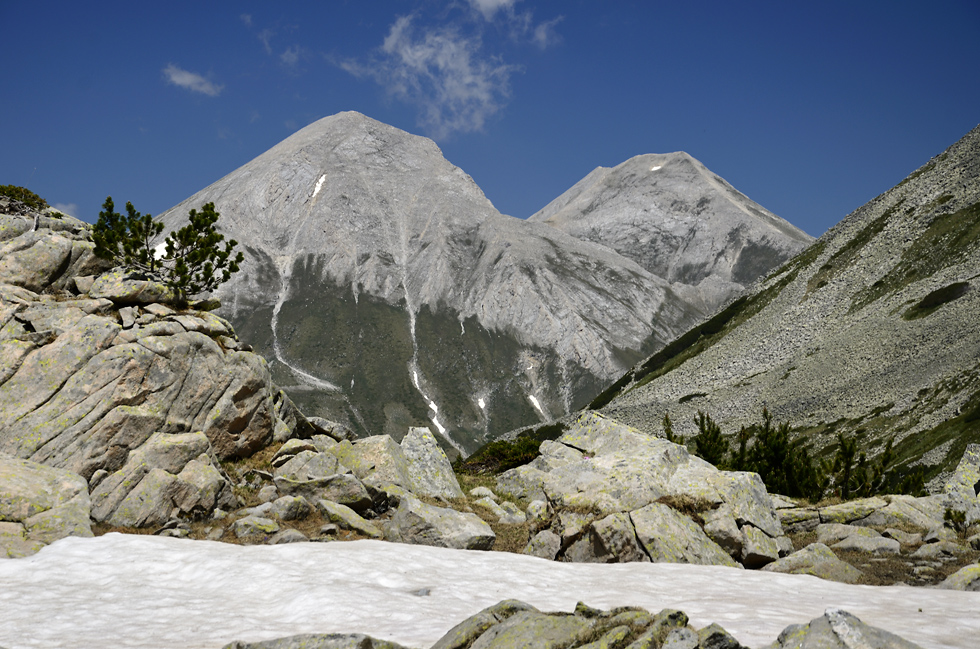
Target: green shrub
24, 195
193, 261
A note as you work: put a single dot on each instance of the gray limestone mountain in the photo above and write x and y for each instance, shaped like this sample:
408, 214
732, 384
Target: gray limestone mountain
387, 291
673, 216
872, 333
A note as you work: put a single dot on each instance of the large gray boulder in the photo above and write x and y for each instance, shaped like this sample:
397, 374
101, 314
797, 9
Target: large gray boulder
669, 536
818, 560
416, 465
419, 523
39, 505
601, 466
960, 493
838, 629
167, 476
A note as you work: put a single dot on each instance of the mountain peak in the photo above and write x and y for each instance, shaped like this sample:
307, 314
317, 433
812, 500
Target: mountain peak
677, 219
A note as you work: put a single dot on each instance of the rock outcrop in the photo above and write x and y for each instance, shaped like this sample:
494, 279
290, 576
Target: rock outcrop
617, 494
139, 400
39, 505
512, 624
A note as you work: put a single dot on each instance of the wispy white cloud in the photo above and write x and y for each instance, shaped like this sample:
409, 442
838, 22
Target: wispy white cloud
545, 34
265, 36
247, 19
489, 8
446, 75
191, 81
290, 56
68, 208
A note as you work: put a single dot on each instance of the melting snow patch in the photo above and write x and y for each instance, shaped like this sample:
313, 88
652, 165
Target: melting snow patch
435, 420
657, 168
319, 184
149, 591
534, 402
483, 404
435, 408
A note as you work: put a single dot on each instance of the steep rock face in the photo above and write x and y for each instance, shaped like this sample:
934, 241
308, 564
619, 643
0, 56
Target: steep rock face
872, 331
388, 291
139, 402
677, 219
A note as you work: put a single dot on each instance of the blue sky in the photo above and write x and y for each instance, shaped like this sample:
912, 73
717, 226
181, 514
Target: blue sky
810, 109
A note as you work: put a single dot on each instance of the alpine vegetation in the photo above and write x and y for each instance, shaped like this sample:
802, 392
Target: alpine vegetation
190, 261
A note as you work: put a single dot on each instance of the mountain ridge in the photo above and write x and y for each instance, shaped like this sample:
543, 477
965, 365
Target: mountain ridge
357, 228
870, 332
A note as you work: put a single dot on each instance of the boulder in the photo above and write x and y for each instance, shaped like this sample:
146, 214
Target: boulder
39, 505
255, 529
668, 536
940, 550
342, 488
544, 544
125, 287
291, 508
609, 540
422, 524
798, 519
319, 641
924, 513
348, 519
720, 526
165, 476
961, 489
377, 461
307, 465
432, 474
837, 628
876, 545
966, 578
818, 560
830, 533
758, 548
417, 465
852, 510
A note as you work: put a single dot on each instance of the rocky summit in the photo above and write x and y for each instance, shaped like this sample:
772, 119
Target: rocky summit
870, 333
387, 291
673, 216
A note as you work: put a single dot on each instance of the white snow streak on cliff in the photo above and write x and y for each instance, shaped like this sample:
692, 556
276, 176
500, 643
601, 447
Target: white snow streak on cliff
285, 267
285, 270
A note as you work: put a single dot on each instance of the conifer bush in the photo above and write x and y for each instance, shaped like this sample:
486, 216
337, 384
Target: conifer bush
193, 261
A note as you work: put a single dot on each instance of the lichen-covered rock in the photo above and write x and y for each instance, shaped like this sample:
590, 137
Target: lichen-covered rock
419, 523
966, 578
319, 641
818, 560
670, 537
348, 519
544, 544
255, 528
599, 465
838, 629
342, 488
417, 464
758, 548
432, 474
39, 505
125, 287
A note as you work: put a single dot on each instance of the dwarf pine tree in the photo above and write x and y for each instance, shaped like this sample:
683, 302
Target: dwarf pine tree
193, 260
